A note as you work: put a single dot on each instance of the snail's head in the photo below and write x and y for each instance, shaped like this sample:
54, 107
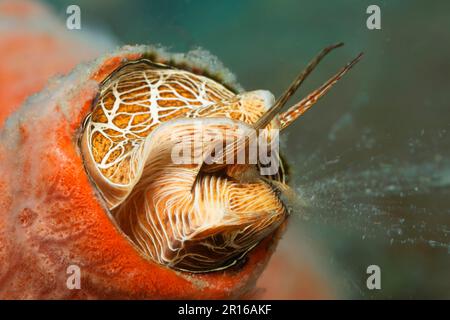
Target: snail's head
190, 171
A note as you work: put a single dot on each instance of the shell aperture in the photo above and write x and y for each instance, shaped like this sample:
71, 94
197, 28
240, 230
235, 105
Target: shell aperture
204, 214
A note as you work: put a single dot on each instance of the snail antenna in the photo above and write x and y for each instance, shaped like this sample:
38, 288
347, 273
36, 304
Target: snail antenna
281, 101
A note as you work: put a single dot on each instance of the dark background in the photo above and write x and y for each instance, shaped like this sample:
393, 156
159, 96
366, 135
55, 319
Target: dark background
372, 159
